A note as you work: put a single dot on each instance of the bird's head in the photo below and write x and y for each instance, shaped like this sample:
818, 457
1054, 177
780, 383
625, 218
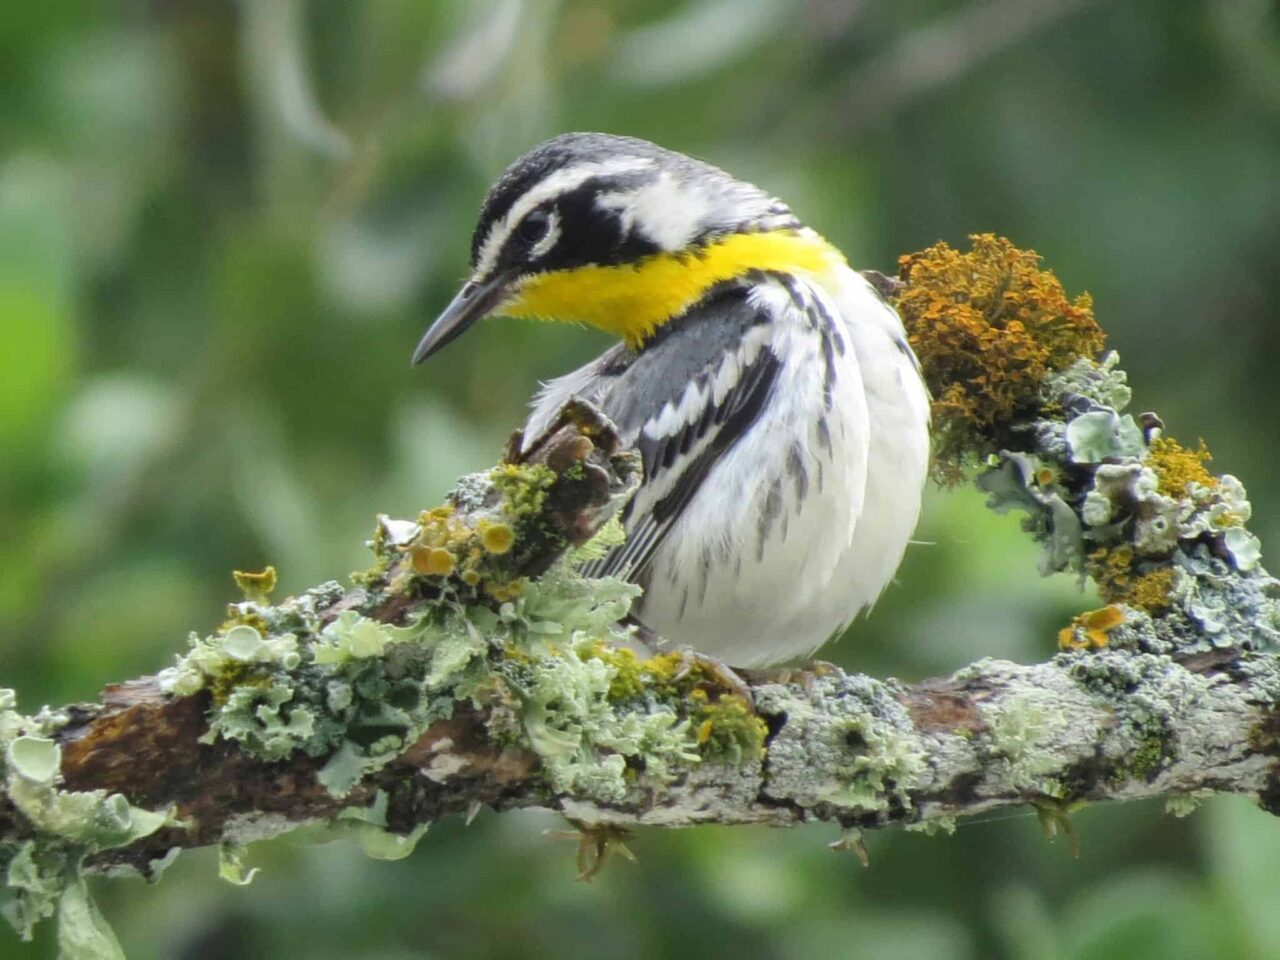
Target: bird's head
620, 234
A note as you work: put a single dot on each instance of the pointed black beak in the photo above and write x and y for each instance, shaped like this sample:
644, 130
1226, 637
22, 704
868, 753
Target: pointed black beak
474, 301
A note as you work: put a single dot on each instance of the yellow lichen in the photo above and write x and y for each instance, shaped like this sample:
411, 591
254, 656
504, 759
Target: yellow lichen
238, 618
1088, 631
627, 682
1115, 571
433, 561
988, 326
523, 486
440, 527
727, 728
1177, 467
1151, 590
233, 674
1112, 570
724, 724
503, 592
495, 537
256, 586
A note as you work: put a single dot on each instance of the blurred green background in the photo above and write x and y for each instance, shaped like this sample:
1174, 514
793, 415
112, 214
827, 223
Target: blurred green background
224, 226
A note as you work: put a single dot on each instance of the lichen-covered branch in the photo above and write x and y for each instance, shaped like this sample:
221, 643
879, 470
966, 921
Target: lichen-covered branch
471, 665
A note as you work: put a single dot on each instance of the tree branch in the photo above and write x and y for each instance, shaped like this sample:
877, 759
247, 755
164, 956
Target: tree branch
472, 666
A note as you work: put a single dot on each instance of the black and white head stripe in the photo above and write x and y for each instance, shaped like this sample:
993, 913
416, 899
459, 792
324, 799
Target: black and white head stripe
614, 200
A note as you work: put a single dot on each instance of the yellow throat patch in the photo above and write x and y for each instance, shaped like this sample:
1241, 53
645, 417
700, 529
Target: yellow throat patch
633, 300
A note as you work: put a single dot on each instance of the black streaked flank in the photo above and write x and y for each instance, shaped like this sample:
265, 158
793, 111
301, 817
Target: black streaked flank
689, 350
827, 327
799, 475
772, 512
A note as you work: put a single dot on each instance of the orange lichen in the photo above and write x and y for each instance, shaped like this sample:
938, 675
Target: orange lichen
1177, 467
1088, 631
988, 326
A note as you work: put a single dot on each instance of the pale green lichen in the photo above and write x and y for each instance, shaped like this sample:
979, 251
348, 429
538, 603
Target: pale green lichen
43, 870
355, 689
1014, 480
883, 768
353, 637
1103, 435
1024, 735
1102, 382
368, 827
231, 865
365, 690
933, 827
590, 744
83, 933
1170, 539
300, 676
855, 731
1138, 513
585, 740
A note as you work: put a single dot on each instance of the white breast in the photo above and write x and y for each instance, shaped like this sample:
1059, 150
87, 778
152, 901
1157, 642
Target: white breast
803, 521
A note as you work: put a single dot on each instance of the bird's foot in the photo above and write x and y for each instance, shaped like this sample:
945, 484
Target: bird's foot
806, 675
716, 672
1055, 818
596, 843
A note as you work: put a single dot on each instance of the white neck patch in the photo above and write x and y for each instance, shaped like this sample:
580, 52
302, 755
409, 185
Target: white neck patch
666, 211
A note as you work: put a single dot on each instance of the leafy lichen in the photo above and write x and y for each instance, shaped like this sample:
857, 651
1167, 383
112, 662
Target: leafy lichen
43, 869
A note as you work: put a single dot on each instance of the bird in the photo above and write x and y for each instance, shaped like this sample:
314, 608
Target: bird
769, 388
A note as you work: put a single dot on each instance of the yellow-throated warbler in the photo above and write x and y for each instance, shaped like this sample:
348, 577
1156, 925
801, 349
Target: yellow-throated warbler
768, 387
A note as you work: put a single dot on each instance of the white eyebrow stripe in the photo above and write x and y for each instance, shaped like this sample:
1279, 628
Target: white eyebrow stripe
562, 181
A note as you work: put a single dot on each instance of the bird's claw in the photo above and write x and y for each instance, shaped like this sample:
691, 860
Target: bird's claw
596, 843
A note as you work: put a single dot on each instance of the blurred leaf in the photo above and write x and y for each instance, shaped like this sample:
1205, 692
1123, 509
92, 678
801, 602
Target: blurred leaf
36, 277
697, 38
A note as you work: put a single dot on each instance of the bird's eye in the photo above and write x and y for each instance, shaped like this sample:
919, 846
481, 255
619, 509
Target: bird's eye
533, 227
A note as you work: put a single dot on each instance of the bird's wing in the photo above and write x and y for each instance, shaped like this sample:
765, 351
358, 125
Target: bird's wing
682, 402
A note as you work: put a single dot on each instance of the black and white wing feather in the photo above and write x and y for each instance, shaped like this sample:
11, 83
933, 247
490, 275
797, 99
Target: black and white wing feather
682, 402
